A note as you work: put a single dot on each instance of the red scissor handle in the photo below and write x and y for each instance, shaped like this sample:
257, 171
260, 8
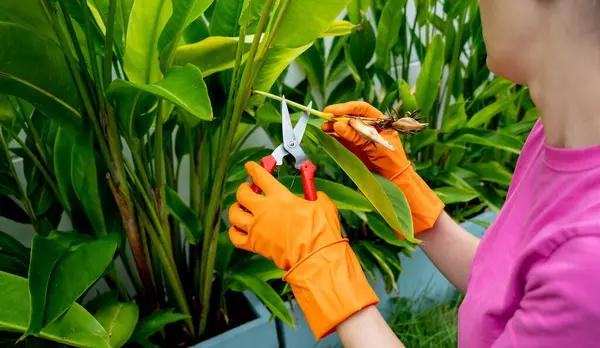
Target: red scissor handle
307, 172
268, 162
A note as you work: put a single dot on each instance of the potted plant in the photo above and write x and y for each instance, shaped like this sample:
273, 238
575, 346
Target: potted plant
113, 107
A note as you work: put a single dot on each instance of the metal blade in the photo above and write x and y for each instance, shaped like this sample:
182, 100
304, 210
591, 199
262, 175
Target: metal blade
286, 124
279, 153
301, 125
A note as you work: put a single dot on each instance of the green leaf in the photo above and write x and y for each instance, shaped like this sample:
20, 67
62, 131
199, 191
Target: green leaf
381, 229
224, 251
184, 214
104, 299
313, 16
428, 82
182, 86
184, 13
260, 267
450, 195
361, 176
400, 204
146, 22
383, 263
119, 321
487, 138
409, 102
211, 55
276, 60
362, 46
37, 72
491, 171
344, 197
487, 113
387, 31
76, 327
498, 86
365, 259
154, 322
224, 20
13, 247
85, 181
53, 262
266, 294
12, 265
63, 148
8, 114
339, 28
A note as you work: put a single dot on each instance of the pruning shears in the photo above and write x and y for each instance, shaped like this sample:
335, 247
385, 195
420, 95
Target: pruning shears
292, 136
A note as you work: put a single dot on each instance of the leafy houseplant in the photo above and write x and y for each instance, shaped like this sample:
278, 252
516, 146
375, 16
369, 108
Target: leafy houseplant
111, 104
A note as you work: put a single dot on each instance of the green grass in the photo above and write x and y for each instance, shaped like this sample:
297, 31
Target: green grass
430, 327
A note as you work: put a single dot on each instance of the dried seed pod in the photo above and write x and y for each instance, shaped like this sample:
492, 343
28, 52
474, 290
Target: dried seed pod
408, 125
370, 133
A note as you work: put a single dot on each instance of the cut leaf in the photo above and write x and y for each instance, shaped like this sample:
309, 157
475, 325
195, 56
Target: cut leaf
184, 214
119, 321
344, 197
76, 327
428, 82
266, 294
182, 86
361, 176
53, 262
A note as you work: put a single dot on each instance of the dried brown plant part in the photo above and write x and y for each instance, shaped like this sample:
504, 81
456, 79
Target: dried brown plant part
408, 125
370, 133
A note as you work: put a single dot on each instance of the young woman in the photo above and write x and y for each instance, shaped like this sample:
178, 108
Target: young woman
534, 279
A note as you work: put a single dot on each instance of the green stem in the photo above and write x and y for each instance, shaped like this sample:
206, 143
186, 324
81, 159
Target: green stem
245, 138
324, 115
13, 172
170, 271
39, 166
213, 211
159, 161
108, 44
36, 139
114, 277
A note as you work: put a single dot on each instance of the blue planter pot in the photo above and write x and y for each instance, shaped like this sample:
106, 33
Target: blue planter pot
260, 332
419, 280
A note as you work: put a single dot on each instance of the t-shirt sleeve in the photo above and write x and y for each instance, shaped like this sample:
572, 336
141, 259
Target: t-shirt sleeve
561, 304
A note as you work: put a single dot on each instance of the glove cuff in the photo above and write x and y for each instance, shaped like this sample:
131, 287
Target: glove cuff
330, 286
425, 206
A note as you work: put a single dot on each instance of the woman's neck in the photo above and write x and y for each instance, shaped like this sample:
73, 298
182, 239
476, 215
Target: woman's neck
566, 89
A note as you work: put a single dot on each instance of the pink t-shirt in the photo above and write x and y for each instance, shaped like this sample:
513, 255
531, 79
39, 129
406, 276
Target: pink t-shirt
535, 279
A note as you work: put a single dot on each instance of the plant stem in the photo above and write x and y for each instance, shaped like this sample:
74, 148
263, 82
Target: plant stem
13, 172
159, 161
213, 211
39, 166
36, 139
245, 138
324, 115
108, 44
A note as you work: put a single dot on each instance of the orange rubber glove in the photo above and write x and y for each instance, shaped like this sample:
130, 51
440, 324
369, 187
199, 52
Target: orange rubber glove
424, 204
303, 238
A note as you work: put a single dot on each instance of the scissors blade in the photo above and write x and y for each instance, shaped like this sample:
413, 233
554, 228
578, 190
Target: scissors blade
286, 124
301, 125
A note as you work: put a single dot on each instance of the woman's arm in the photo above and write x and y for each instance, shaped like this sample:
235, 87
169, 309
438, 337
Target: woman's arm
367, 328
451, 249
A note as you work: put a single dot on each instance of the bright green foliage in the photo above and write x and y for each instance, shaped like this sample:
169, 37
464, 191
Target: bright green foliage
119, 320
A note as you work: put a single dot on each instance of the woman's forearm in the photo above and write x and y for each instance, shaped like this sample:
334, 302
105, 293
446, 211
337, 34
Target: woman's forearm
451, 249
367, 328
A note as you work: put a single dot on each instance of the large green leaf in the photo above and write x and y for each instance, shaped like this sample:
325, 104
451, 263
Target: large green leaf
155, 322
428, 82
184, 214
487, 113
276, 60
54, 261
491, 171
313, 16
381, 229
37, 72
12, 265
387, 32
13, 247
409, 103
399, 203
224, 20
184, 13
260, 267
85, 181
182, 86
63, 147
76, 327
361, 176
119, 321
211, 55
29, 14
487, 138
265, 292
146, 22
344, 197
